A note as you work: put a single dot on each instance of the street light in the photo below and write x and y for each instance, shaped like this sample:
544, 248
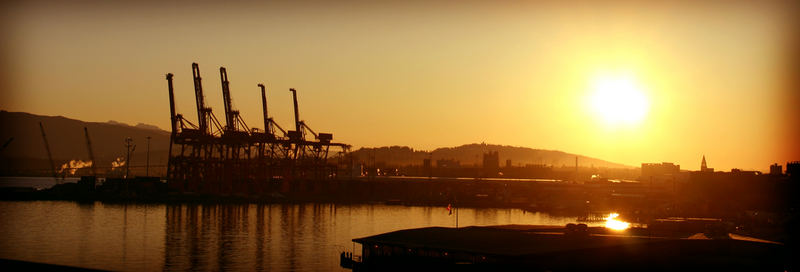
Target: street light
147, 167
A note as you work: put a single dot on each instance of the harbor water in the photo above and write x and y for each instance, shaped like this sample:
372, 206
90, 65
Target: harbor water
276, 237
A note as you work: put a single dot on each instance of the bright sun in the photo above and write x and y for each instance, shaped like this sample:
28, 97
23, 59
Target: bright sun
618, 100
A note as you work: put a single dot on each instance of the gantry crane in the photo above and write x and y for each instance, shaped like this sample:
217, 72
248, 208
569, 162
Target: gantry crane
235, 159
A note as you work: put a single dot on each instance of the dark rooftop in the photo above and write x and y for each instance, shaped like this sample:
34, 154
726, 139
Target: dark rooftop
519, 240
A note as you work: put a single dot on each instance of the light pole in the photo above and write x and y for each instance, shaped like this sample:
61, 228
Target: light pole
147, 167
130, 147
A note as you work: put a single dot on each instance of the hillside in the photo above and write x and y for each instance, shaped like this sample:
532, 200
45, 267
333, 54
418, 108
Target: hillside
26, 152
472, 154
26, 155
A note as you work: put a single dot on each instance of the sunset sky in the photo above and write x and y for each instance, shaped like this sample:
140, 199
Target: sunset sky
714, 79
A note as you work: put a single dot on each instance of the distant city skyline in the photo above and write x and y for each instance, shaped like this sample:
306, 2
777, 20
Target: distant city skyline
631, 84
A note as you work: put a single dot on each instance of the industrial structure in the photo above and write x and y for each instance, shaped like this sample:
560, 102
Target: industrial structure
665, 245
231, 158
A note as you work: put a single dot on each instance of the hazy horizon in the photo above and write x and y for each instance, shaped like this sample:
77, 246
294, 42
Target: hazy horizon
713, 79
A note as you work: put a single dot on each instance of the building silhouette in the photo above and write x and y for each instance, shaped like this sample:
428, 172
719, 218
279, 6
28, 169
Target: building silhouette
793, 169
704, 166
775, 169
660, 171
491, 163
448, 163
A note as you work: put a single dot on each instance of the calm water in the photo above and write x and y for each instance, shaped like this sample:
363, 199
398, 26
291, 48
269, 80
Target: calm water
33, 182
277, 237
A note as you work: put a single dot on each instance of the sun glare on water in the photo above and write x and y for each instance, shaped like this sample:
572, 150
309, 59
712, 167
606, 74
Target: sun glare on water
613, 223
618, 100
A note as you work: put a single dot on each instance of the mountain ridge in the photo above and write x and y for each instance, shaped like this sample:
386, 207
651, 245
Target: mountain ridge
472, 154
67, 142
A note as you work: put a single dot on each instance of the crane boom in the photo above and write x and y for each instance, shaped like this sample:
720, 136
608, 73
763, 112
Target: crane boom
6, 144
198, 93
226, 97
174, 119
264, 108
172, 116
49, 155
296, 113
91, 153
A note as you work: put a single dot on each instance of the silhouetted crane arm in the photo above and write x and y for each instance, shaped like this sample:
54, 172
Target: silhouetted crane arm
303, 124
184, 121
216, 123
241, 122
172, 116
296, 111
230, 124
49, 155
267, 128
91, 153
278, 126
198, 93
6, 144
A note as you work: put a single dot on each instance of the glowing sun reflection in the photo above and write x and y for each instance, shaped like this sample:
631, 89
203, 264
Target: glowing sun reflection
613, 223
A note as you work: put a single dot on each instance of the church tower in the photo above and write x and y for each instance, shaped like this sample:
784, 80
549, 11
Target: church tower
704, 166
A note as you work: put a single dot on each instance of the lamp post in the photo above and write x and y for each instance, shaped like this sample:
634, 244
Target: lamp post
130, 147
147, 167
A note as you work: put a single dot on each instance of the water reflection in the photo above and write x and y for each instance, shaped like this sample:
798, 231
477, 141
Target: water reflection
90, 235
613, 223
298, 237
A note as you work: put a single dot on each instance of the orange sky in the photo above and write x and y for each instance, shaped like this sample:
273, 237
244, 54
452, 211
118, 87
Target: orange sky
718, 76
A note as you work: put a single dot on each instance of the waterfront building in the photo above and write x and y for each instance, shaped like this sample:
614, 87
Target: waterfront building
775, 169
